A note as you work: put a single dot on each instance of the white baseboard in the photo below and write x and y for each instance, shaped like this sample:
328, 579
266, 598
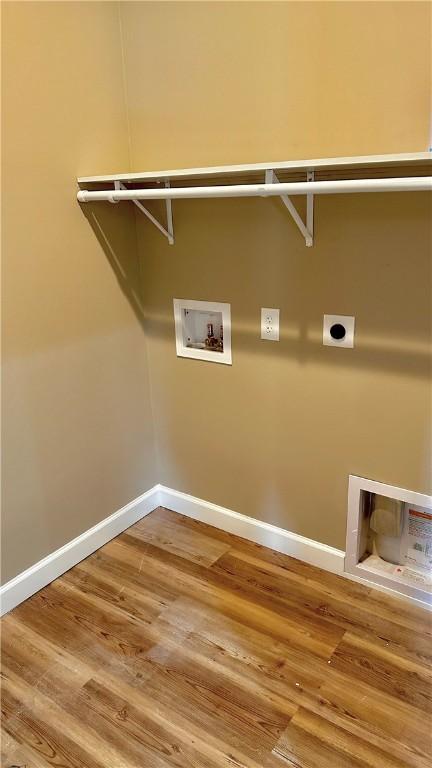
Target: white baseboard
51, 567
313, 552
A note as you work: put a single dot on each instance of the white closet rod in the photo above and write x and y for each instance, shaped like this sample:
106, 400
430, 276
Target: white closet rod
404, 184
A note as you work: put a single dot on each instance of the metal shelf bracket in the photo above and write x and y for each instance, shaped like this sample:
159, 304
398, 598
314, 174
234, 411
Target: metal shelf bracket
305, 229
169, 231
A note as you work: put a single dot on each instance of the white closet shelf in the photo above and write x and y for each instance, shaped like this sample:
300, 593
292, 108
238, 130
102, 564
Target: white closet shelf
326, 163
336, 175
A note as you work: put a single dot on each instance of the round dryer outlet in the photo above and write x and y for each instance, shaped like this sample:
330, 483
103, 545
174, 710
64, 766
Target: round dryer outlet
338, 331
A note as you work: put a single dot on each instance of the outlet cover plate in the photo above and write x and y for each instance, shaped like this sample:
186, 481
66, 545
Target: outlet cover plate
270, 324
348, 323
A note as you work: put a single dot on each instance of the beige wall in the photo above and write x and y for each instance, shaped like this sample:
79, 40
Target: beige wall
230, 82
77, 435
276, 435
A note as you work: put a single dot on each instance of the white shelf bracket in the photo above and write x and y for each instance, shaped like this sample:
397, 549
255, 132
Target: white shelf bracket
310, 211
169, 217
271, 178
168, 233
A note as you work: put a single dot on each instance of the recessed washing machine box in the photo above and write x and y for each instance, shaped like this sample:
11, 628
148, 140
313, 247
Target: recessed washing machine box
203, 330
338, 331
389, 537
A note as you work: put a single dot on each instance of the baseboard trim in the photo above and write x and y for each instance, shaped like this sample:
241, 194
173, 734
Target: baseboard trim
267, 534
54, 565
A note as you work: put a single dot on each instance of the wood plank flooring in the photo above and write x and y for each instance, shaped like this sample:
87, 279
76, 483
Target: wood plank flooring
177, 644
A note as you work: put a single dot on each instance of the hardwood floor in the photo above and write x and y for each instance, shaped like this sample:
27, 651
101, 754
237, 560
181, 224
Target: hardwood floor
177, 644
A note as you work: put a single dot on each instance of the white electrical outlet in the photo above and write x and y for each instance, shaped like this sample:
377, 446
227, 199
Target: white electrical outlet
270, 324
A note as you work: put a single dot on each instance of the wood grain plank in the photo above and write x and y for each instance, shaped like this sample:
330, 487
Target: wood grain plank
251, 673
385, 720
346, 612
155, 740
313, 742
205, 747
275, 665
378, 666
12, 753
193, 545
134, 600
49, 732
